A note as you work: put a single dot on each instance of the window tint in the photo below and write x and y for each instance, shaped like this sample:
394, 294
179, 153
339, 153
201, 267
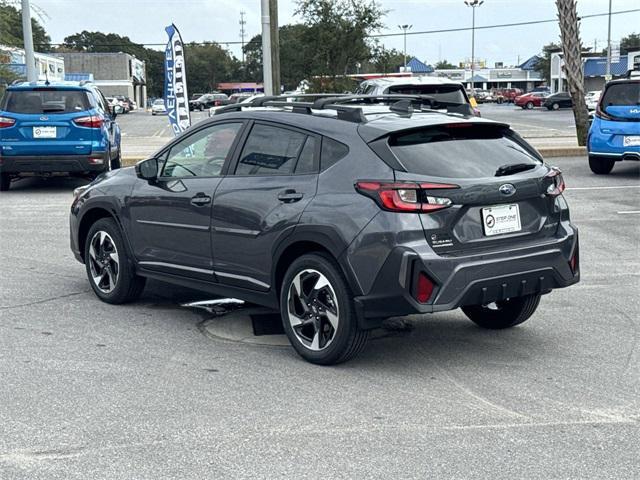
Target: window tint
306, 163
270, 151
332, 151
461, 152
203, 153
442, 93
49, 101
624, 94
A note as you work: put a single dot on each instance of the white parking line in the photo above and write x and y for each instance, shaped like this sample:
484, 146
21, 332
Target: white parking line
628, 212
604, 188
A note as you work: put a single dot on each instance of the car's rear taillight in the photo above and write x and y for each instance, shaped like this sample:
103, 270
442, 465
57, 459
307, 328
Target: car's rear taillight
93, 121
6, 122
424, 288
557, 185
405, 196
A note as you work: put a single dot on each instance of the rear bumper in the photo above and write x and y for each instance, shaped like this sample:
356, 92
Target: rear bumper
75, 164
467, 280
623, 154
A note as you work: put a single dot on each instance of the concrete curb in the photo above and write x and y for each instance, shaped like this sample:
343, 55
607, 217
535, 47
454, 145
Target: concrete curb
552, 152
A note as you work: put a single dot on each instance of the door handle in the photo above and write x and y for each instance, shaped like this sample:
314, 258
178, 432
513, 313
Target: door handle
290, 196
200, 199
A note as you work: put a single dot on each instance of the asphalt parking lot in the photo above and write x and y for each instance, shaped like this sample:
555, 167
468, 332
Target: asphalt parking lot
90, 390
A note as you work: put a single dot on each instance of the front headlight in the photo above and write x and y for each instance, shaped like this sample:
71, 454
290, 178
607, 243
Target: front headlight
79, 191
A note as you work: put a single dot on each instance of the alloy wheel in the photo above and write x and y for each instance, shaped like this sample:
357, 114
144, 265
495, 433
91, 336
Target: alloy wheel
312, 309
104, 262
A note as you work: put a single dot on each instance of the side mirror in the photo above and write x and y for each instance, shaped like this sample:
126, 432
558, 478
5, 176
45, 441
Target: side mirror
112, 111
147, 169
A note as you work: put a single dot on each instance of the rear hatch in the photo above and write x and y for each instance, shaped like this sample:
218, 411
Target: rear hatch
492, 188
44, 122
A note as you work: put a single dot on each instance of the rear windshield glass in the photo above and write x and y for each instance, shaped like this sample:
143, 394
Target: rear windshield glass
460, 151
442, 93
622, 94
46, 101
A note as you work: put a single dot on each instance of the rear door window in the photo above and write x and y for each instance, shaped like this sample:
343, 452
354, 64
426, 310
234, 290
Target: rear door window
270, 150
622, 94
46, 101
460, 150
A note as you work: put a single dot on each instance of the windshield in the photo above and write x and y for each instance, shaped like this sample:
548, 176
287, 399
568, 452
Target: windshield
441, 93
159, 102
624, 94
50, 101
460, 150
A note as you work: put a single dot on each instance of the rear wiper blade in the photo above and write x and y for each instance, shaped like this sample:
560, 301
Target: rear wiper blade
514, 168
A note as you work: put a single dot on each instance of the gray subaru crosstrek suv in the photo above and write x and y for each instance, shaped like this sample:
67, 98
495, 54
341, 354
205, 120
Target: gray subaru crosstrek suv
337, 214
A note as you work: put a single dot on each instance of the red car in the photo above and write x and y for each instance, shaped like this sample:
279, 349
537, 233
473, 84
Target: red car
530, 100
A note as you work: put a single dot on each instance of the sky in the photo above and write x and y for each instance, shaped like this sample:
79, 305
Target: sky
218, 20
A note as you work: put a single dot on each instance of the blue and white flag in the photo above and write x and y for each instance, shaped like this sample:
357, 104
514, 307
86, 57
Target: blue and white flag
176, 100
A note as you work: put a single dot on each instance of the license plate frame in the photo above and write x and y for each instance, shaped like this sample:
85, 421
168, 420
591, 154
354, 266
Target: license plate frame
501, 219
45, 132
631, 141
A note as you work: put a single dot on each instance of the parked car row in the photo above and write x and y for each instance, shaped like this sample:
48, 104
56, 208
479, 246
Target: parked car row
208, 100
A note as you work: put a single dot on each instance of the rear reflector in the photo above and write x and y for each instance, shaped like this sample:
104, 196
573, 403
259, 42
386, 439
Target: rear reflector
93, 121
424, 289
96, 160
574, 262
6, 122
405, 196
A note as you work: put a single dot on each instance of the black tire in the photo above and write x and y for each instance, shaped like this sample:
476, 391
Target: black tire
5, 182
347, 340
117, 161
127, 286
529, 105
506, 314
601, 166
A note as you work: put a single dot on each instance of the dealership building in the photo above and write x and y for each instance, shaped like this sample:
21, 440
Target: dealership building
594, 68
48, 67
114, 73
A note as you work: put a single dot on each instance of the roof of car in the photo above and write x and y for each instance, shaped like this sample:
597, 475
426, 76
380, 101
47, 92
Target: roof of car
58, 85
380, 121
421, 80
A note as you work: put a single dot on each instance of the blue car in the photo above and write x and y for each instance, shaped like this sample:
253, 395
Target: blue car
56, 129
615, 132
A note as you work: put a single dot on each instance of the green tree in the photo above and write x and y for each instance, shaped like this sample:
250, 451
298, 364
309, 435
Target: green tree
444, 65
384, 60
209, 64
11, 29
543, 67
337, 37
630, 43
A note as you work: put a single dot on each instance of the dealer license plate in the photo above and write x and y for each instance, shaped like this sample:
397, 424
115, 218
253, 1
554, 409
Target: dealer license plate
44, 132
501, 219
631, 141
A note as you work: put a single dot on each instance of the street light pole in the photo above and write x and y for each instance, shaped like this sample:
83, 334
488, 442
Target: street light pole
473, 4
267, 75
608, 76
29, 56
404, 28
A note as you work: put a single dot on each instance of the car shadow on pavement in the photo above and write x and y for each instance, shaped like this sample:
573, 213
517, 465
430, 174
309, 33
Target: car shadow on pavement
46, 184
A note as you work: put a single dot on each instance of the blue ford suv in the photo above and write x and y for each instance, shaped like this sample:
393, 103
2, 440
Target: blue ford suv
53, 129
615, 131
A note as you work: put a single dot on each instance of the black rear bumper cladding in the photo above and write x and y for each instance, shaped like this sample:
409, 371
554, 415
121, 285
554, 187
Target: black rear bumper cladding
470, 281
52, 164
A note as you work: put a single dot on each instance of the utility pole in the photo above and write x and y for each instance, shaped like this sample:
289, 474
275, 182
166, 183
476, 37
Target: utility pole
270, 47
405, 28
275, 46
608, 75
243, 22
473, 4
29, 56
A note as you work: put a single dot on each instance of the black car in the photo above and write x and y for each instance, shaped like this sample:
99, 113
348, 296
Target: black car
208, 100
557, 101
339, 215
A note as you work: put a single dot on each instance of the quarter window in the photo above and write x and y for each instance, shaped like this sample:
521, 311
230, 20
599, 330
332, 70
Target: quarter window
270, 151
202, 154
332, 151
